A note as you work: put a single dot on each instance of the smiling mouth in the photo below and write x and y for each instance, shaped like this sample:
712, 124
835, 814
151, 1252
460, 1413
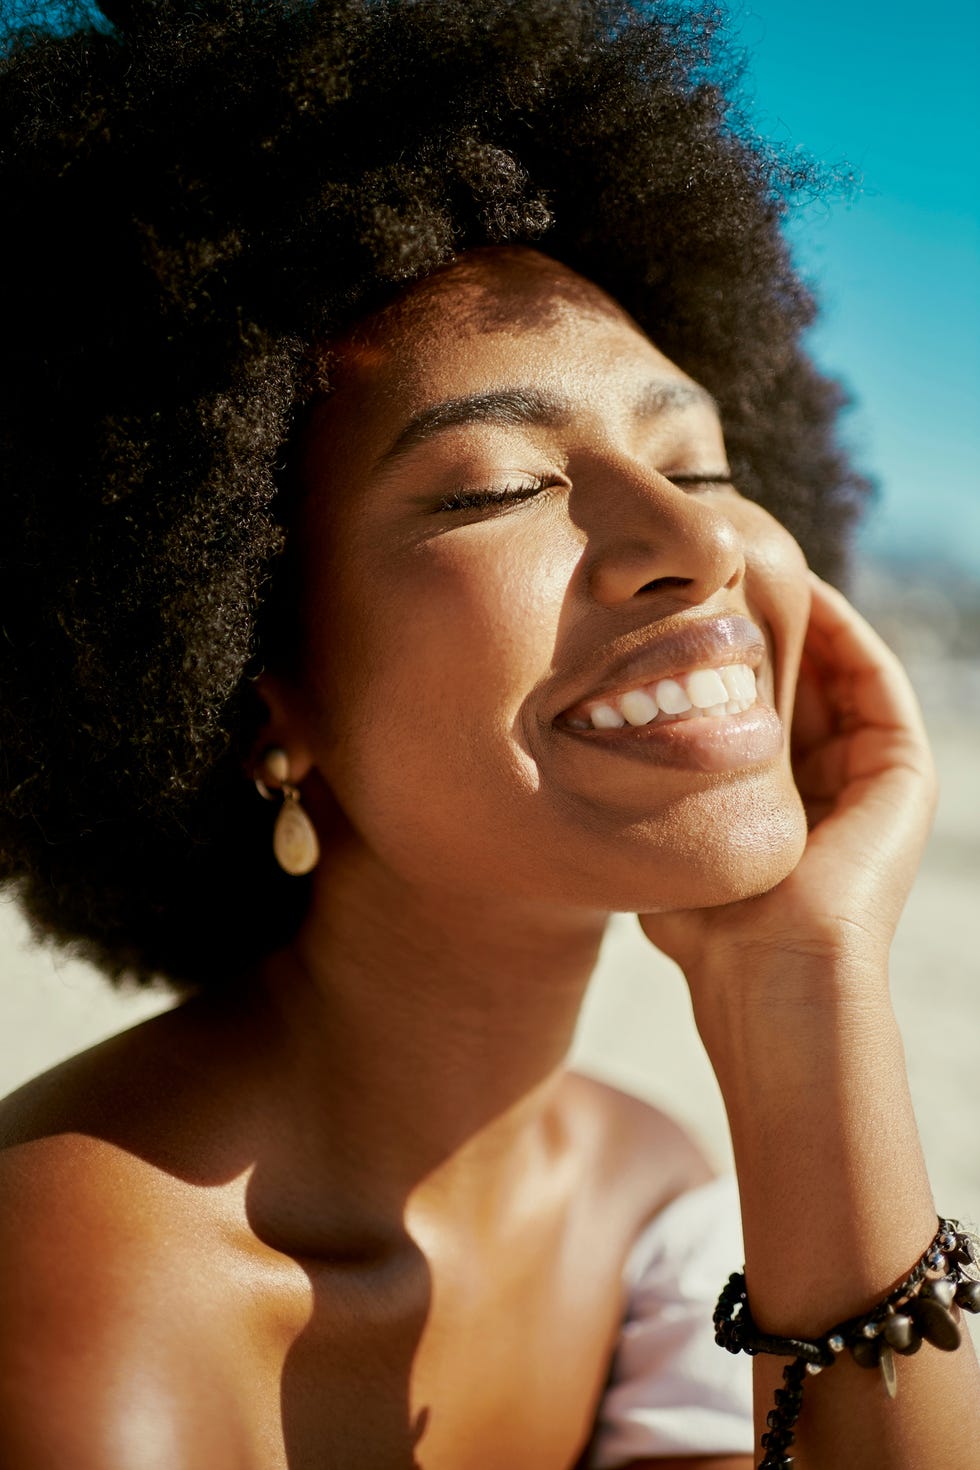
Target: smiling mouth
706, 693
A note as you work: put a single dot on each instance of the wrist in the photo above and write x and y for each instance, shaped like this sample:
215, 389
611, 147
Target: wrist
771, 985
788, 1027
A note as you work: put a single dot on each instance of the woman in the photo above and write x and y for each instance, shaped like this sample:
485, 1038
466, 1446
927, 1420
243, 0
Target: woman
373, 362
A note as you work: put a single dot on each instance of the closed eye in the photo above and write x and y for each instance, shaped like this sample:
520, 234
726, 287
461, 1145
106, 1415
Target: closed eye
490, 496
691, 481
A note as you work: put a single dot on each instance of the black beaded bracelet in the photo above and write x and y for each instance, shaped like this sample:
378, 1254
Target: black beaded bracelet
920, 1309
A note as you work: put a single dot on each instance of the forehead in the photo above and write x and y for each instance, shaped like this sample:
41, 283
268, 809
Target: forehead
495, 289
490, 314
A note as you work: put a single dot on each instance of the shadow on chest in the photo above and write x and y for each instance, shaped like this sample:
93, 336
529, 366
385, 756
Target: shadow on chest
490, 1359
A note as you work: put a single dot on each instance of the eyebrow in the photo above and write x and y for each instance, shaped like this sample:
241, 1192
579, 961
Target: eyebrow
515, 407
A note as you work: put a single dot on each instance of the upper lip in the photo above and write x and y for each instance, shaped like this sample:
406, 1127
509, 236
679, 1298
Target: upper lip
708, 643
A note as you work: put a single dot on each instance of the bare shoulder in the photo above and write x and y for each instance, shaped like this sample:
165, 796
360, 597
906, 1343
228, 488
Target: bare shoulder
101, 1320
640, 1151
84, 1291
104, 1288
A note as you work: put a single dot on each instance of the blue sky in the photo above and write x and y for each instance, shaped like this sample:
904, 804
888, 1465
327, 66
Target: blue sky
892, 91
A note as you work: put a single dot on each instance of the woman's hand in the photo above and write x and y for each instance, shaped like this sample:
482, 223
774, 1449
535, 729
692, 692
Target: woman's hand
865, 774
791, 1000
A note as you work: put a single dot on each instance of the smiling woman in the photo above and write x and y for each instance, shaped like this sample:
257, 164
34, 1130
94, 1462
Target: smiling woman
410, 421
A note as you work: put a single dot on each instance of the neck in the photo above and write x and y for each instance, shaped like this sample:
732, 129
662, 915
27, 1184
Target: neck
422, 1032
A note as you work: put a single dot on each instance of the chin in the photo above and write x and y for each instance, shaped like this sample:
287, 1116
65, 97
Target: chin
755, 878
709, 864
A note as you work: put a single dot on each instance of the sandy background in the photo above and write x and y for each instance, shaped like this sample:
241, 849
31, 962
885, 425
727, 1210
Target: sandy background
636, 1029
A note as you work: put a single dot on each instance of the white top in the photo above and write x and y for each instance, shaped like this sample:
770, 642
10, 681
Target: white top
672, 1389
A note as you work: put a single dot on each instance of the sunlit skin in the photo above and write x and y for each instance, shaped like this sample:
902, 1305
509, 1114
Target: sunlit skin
474, 629
361, 1214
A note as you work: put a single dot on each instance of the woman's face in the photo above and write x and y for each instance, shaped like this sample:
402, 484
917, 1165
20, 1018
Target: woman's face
517, 526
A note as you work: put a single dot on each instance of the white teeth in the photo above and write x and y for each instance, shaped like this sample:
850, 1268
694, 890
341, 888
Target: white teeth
671, 697
711, 693
604, 717
739, 680
638, 707
705, 689
729, 677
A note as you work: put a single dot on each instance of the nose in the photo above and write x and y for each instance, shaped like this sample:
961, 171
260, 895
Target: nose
649, 535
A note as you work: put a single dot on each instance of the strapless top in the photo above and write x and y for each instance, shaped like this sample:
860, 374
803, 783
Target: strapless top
672, 1390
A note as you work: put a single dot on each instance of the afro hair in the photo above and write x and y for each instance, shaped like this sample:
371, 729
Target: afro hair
198, 199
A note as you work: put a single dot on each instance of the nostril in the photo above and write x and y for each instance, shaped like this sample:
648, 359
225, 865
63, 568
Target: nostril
660, 584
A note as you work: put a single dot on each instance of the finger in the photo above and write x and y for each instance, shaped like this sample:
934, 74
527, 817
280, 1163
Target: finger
821, 773
812, 723
873, 687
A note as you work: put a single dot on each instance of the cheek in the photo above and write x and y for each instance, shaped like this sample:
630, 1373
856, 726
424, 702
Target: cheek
472, 620
492, 593
442, 643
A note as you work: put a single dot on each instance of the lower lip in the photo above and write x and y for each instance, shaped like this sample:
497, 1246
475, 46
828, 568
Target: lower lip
731, 743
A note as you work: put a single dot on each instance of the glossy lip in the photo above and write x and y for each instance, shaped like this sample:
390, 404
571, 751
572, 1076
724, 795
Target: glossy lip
711, 745
708, 643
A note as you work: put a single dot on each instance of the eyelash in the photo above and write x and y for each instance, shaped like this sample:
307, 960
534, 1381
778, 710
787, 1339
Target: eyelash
686, 482
484, 499
459, 500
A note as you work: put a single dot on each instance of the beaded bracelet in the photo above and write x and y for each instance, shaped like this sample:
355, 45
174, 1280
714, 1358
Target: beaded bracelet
919, 1309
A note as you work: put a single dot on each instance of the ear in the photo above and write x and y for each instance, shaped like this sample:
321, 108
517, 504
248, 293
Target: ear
285, 726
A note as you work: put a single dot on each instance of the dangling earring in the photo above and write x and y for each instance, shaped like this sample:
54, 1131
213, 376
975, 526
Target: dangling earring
294, 839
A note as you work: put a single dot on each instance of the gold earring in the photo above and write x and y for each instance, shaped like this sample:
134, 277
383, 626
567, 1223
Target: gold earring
294, 839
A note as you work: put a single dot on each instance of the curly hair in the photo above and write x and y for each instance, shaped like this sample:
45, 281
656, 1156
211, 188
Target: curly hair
198, 198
